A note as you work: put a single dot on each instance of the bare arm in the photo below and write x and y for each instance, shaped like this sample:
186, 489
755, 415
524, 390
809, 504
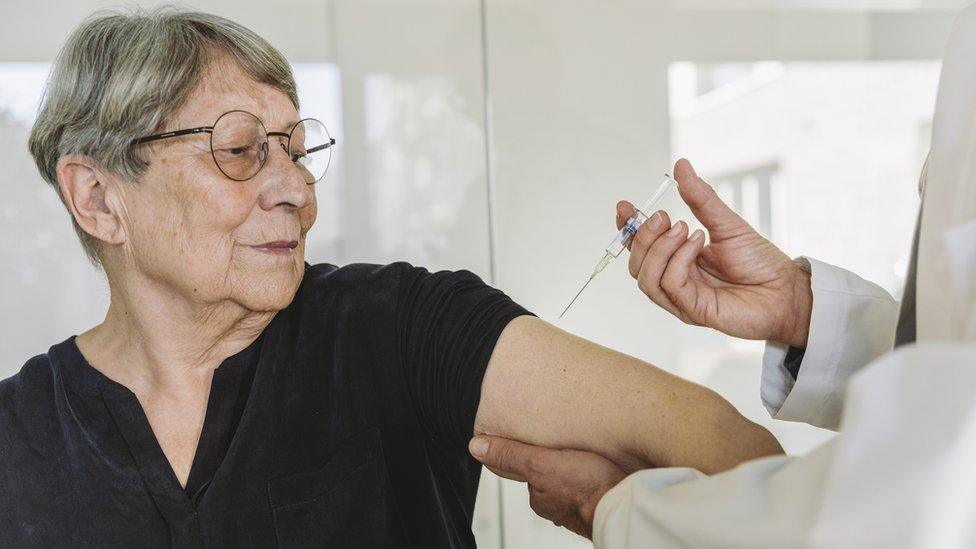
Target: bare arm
547, 387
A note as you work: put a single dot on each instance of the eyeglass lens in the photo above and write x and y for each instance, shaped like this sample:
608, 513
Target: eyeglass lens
239, 143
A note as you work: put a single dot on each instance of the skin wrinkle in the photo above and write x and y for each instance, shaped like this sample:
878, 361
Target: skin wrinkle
187, 290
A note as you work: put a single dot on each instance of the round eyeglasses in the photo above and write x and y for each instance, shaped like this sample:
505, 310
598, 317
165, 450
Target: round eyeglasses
239, 145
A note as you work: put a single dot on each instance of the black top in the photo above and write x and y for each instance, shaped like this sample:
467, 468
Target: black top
345, 424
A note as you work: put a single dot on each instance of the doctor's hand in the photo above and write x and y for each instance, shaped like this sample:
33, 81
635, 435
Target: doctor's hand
739, 283
564, 485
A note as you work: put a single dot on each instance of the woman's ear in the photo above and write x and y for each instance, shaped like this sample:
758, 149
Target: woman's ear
86, 191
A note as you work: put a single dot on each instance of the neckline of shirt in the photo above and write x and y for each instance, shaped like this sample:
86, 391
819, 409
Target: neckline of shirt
77, 371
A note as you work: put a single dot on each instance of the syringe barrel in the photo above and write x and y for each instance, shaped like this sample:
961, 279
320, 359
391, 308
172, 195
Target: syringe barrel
662, 190
624, 236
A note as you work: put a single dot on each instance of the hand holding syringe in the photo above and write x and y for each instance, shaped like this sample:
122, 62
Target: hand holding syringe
736, 281
627, 232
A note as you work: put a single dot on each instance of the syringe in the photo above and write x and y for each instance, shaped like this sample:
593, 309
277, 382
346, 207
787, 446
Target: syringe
626, 234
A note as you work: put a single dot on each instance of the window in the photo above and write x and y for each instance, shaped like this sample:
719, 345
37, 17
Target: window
823, 158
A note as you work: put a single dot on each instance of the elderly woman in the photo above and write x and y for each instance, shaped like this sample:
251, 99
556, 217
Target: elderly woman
236, 396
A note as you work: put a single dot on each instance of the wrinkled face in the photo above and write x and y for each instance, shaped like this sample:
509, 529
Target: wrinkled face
206, 236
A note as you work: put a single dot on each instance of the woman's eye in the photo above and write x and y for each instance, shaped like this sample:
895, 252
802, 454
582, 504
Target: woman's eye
234, 151
298, 157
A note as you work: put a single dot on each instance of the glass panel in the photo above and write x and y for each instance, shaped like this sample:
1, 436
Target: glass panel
50, 289
824, 159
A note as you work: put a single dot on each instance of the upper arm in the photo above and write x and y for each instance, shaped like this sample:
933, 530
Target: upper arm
548, 387
447, 324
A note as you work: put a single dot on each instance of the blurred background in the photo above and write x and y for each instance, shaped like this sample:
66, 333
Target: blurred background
497, 136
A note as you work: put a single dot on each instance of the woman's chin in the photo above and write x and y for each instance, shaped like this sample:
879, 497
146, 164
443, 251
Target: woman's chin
270, 301
270, 291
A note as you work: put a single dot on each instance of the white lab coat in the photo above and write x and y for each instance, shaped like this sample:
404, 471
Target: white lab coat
903, 471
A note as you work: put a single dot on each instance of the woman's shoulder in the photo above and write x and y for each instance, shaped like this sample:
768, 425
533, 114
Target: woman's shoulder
358, 287
35, 377
376, 276
26, 395
354, 282
33, 406
353, 273
363, 283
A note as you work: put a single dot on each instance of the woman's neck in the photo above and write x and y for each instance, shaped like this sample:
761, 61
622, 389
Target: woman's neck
155, 339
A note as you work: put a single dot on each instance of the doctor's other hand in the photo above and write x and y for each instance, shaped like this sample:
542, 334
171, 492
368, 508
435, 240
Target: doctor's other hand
564, 485
739, 283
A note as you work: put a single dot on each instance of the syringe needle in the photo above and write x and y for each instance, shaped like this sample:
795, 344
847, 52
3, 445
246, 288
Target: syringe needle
626, 234
599, 268
585, 284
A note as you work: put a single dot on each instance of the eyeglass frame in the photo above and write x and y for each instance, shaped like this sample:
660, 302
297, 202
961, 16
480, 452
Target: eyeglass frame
210, 129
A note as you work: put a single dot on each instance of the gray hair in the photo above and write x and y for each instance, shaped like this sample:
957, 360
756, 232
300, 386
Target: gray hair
122, 75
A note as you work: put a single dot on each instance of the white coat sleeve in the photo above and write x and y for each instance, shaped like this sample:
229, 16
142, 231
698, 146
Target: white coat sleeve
900, 475
853, 322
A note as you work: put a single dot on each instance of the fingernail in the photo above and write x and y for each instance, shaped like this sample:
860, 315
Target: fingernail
675, 230
656, 220
696, 235
478, 447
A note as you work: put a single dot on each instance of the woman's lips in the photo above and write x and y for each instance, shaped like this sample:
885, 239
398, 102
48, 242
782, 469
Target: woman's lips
278, 247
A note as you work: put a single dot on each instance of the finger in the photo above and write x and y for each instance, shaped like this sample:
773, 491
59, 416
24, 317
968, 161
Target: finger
625, 210
650, 231
505, 457
656, 260
705, 204
506, 474
675, 281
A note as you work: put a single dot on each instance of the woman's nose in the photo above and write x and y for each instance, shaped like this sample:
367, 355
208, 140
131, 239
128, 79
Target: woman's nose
284, 183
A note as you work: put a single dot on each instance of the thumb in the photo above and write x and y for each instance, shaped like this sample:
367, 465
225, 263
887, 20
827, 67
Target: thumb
705, 203
507, 458
625, 210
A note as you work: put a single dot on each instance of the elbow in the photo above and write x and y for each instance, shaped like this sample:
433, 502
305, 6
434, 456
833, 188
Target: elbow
714, 436
734, 439
752, 442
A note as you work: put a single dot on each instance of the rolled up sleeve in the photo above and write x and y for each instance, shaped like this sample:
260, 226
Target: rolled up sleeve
852, 323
